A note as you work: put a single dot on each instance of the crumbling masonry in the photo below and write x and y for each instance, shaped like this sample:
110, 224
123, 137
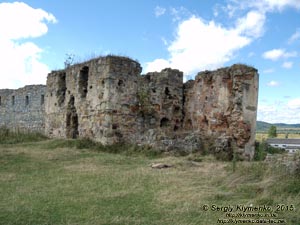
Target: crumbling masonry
107, 100
24, 108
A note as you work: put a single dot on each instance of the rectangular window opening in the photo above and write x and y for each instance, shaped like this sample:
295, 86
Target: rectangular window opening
83, 81
26, 100
13, 100
61, 89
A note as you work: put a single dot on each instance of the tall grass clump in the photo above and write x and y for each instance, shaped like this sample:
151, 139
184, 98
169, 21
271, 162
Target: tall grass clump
14, 137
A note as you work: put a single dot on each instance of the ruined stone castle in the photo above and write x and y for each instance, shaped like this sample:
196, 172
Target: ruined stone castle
108, 100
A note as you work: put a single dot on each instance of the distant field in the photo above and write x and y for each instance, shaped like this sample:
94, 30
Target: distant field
264, 136
48, 182
263, 127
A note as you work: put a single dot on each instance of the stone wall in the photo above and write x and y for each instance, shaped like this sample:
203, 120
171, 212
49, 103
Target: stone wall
107, 100
221, 105
96, 99
23, 108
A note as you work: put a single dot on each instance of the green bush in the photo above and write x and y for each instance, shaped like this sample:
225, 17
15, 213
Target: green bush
262, 149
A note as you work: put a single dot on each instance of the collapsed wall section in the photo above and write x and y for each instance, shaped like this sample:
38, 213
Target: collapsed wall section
160, 106
221, 106
23, 109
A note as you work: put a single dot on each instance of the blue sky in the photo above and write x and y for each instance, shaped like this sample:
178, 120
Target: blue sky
192, 36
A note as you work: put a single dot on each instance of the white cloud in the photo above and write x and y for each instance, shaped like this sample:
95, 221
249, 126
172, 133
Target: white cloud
157, 65
179, 13
200, 45
281, 4
252, 24
273, 83
276, 54
287, 65
294, 37
159, 11
294, 103
280, 112
24, 21
273, 54
234, 7
21, 63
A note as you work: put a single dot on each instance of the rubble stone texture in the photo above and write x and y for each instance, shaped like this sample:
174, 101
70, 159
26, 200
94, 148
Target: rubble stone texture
107, 100
23, 109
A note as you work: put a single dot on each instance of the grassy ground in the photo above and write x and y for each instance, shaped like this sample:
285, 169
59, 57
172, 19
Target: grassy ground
61, 182
264, 136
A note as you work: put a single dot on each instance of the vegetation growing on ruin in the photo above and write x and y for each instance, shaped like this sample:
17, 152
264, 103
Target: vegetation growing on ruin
73, 182
72, 59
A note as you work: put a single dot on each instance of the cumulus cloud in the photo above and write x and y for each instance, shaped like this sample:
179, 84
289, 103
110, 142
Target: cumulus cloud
287, 65
200, 45
24, 21
276, 54
273, 83
20, 59
159, 11
157, 65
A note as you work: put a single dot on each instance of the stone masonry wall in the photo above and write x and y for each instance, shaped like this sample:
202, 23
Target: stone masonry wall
221, 105
23, 108
93, 100
106, 99
160, 106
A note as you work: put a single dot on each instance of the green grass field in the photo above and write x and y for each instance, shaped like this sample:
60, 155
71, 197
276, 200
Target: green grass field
264, 136
61, 182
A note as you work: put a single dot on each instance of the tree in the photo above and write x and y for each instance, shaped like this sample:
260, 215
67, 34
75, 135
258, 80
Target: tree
272, 132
